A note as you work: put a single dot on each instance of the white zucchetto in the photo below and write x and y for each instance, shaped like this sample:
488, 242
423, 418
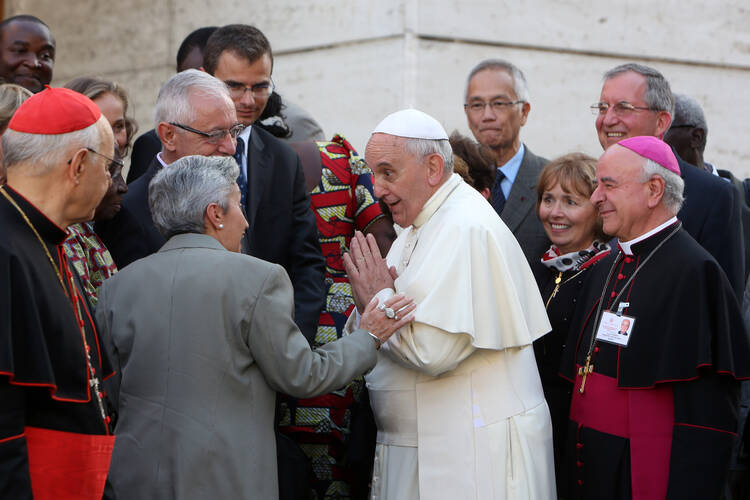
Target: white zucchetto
413, 124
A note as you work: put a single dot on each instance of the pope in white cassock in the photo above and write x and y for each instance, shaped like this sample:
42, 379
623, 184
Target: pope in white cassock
456, 394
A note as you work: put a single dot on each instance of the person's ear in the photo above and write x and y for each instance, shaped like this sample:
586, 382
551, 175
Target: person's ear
435, 169
77, 165
214, 216
663, 121
656, 186
525, 108
167, 135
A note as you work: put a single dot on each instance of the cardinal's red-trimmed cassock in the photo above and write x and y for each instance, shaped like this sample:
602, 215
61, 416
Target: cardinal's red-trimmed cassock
657, 414
55, 439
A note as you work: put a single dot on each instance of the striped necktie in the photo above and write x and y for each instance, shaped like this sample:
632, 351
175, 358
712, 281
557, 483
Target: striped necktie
498, 198
239, 154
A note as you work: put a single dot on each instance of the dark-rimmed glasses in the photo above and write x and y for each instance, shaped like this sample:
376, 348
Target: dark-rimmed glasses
215, 136
622, 108
259, 90
497, 106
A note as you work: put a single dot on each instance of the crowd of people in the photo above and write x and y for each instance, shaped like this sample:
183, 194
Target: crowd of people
261, 313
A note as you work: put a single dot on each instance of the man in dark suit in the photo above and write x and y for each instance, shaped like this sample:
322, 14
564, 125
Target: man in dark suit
272, 182
637, 100
687, 135
497, 106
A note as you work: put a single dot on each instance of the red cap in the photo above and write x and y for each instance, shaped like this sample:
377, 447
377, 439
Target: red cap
55, 111
654, 149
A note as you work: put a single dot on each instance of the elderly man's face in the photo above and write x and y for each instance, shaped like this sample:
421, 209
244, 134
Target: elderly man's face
495, 129
616, 125
212, 113
399, 178
621, 196
241, 76
27, 55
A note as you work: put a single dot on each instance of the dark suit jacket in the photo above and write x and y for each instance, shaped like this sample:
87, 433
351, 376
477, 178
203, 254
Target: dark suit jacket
711, 215
282, 226
131, 234
519, 213
145, 148
739, 193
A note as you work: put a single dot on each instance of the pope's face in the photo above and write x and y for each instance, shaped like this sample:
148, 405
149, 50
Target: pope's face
27, 55
621, 195
399, 178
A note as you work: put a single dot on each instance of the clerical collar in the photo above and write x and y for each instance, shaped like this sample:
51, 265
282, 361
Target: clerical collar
48, 230
437, 199
627, 246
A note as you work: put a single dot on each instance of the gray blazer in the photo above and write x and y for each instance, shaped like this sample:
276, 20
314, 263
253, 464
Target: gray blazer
201, 338
519, 213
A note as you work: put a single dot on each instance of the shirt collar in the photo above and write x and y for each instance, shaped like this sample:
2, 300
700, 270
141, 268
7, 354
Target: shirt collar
437, 199
511, 168
627, 246
161, 160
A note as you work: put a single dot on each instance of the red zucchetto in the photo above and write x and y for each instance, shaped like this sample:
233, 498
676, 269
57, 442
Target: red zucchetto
54, 111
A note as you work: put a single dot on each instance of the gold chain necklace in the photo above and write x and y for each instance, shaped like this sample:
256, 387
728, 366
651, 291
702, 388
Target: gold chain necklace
93, 379
558, 283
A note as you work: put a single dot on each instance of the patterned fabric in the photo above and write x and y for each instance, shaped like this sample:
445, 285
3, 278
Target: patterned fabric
573, 261
90, 258
342, 202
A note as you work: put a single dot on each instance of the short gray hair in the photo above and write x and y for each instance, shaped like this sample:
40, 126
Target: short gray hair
425, 147
673, 184
687, 111
658, 95
40, 153
179, 194
173, 102
520, 86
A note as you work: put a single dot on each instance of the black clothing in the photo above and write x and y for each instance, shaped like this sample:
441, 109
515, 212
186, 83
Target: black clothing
145, 148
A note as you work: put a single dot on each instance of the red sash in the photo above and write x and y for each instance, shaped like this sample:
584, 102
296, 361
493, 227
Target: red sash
66, 465
644, 416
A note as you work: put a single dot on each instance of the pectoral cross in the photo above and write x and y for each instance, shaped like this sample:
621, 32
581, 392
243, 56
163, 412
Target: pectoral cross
585, 370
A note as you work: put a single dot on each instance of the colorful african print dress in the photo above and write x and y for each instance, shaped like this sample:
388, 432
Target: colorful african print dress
342, 202
90, 258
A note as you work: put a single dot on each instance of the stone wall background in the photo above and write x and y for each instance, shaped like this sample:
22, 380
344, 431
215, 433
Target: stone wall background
351, 62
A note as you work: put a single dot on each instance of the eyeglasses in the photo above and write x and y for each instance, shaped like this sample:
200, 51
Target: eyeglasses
497, 106
684, 125
215, 136
113, 163
622, 108
258, 91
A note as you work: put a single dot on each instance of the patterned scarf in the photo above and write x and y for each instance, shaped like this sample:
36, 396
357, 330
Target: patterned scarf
574, 261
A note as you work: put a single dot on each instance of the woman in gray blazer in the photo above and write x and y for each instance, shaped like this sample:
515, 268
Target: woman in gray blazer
201, 336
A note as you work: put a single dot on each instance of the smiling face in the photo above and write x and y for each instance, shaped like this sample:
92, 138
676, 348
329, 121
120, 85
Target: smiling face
235, 70
621, 195
569, 218
400, 179
212, 112
628, 87
498, 130
27, 55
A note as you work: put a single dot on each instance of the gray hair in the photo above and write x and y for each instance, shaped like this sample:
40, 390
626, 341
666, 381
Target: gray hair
673, 184
687, 111
173, 102
425, 147
658, 95
179, 194
40, 153
520, 86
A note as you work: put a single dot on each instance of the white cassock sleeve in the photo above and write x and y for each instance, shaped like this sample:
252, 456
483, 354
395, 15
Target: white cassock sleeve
425, 348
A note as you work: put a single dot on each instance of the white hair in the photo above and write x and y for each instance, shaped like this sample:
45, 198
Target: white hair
173, 102
425, 147
179, 194
40, 153
520, 87
673, 184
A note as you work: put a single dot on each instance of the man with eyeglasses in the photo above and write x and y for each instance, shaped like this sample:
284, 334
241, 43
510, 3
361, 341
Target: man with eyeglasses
282, 226
497, 106
194, 115
636, 100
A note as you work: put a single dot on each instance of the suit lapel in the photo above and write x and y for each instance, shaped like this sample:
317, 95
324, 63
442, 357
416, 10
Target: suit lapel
258, 165
522, 194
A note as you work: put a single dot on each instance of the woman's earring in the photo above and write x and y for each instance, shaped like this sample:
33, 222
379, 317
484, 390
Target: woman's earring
221, 226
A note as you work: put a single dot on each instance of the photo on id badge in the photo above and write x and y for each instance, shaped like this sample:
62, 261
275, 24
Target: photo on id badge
615, 329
